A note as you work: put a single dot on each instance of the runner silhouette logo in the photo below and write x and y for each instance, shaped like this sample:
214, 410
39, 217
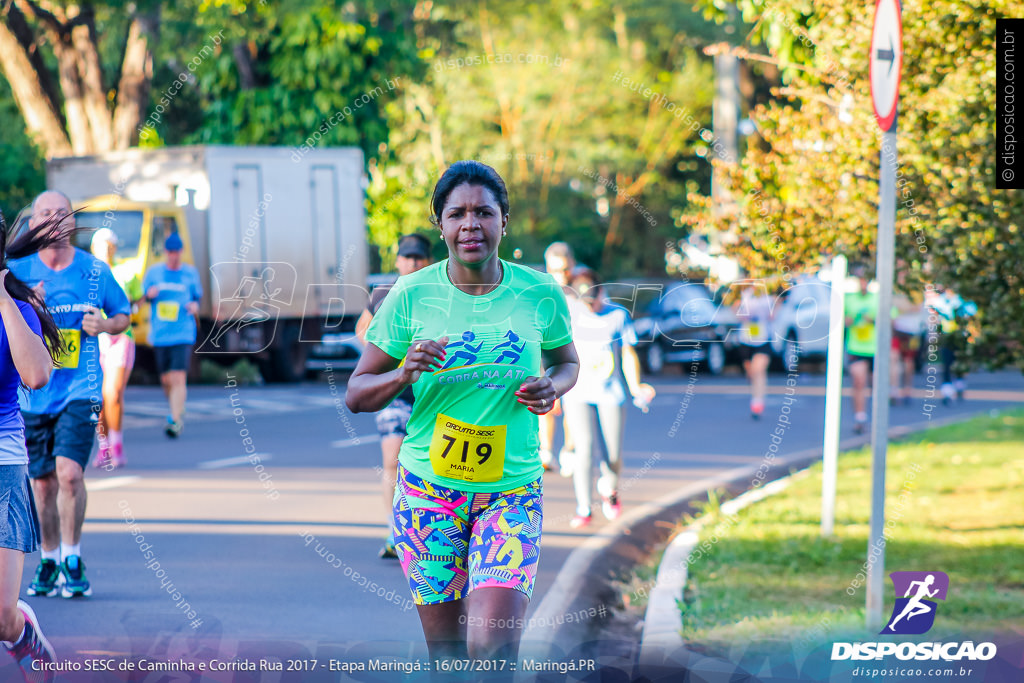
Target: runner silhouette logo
916, 592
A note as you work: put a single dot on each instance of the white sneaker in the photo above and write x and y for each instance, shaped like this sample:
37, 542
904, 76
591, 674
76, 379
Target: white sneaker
611, 508
566, 463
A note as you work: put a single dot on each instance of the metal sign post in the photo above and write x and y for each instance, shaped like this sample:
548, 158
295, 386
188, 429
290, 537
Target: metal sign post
886, 62
833, 396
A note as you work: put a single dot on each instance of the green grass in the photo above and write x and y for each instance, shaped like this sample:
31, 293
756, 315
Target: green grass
956, 495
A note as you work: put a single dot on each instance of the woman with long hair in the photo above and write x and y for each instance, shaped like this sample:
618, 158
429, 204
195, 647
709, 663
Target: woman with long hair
470, 335
29, 343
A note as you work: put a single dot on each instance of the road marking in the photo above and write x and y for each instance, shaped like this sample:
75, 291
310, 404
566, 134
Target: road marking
356, 441
111, 483
231, 462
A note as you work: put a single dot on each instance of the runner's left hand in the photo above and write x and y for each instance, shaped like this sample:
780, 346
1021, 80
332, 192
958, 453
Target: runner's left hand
92, 322
537, 394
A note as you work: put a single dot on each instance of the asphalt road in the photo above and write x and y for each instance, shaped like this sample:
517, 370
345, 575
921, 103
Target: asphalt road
280, 560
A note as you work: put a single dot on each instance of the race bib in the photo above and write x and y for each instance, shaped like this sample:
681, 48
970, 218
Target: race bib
460, 450
167, 311
72, 348
600, 365
862, 333
755, 331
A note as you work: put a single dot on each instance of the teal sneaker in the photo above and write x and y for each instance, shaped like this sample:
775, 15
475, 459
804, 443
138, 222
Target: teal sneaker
173, 429
47, 579
75, 583
387, 551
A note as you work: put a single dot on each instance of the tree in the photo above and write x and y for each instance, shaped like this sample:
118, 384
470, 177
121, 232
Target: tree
72, 114
22, 175
299, 72
811, 190
591, 113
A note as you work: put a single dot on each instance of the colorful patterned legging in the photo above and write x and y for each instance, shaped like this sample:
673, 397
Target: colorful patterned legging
451, 542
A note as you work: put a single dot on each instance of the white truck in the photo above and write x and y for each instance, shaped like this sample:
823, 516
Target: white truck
280, 244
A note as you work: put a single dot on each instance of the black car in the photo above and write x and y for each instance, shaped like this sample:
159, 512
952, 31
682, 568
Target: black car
677, 322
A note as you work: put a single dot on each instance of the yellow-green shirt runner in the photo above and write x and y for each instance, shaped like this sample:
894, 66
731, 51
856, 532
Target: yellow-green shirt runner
467, 430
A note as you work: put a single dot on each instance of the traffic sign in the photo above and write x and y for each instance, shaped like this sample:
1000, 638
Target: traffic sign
886, 61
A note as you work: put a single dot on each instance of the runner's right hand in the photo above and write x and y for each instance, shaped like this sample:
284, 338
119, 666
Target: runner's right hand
424, 355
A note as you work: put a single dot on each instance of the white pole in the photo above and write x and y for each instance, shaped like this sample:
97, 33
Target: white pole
833, 395
880, 400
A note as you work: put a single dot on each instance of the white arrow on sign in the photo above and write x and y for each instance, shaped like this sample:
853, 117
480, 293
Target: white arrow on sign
886, 61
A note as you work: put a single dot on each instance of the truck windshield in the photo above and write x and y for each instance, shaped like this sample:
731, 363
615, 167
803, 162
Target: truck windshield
127, 225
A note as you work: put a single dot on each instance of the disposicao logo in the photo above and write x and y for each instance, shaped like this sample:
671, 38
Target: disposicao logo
914, 613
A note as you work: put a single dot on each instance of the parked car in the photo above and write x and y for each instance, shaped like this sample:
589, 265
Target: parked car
800, 325
677, 322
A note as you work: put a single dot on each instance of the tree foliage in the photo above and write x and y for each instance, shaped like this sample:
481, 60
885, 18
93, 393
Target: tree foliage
537, 91
811, 190
297, 68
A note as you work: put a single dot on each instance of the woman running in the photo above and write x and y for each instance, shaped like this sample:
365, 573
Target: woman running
595, 408
754, 311
469, 334
117, 357
26, 333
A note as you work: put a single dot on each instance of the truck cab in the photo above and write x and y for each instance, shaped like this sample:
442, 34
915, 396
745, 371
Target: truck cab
141, 229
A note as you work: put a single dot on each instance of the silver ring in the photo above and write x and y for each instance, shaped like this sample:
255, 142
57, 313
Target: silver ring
419, 347
543, 403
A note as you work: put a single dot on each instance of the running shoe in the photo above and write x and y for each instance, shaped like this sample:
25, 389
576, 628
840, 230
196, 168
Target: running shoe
580, 521
117, 456
961, 387
47, 579
33, 647
102, 458
756, 409
611, 508
860, 426
173, 429
75, 583
387, 551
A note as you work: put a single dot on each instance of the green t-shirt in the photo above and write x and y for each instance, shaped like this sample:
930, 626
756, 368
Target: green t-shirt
861, 338
466, 414
126, 276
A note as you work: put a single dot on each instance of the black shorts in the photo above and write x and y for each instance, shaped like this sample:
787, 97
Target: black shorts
68, 434
173, 357
748, 352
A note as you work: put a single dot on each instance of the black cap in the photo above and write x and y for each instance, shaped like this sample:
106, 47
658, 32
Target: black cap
414, 246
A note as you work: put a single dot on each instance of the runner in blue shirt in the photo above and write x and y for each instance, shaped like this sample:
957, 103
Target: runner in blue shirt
25, 330
174, 291
60, 419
